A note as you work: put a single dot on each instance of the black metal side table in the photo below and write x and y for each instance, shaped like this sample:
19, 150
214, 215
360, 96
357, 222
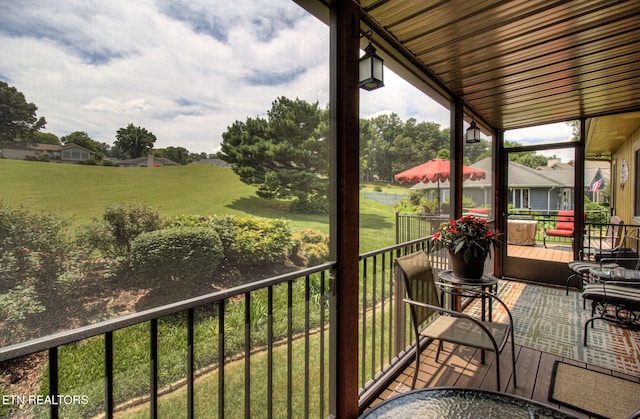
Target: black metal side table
463, 287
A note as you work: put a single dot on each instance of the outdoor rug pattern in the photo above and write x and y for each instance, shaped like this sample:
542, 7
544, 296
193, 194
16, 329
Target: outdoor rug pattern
547, 320
598, 394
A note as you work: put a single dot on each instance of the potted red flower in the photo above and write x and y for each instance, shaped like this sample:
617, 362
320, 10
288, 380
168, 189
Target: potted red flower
469, 240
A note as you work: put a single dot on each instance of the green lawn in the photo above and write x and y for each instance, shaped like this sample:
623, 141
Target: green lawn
82, 193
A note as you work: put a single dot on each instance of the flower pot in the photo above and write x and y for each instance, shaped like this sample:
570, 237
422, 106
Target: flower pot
471, 270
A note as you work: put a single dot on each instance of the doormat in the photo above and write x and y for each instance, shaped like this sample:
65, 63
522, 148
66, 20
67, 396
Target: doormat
592, 392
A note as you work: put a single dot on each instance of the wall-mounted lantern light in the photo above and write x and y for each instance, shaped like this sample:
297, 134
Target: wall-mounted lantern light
371, 68
473, 133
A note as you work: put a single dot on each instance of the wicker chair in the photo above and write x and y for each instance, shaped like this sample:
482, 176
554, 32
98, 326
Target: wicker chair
430, 320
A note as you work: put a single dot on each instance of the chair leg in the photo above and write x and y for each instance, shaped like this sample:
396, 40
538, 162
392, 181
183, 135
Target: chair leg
438, 350
569, 280
415, 373
586, 327
513, 360
498, 370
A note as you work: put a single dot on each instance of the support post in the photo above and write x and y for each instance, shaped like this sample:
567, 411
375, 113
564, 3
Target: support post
344, 212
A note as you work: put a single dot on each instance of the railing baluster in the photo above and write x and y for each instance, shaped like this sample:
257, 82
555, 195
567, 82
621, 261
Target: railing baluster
363, 292
53, 380
221, 356
382, 307
289, 347
392, 332
153, 351
270, 353
108, 367
190, 367
306, 346
247, 355
374, 312
322, 342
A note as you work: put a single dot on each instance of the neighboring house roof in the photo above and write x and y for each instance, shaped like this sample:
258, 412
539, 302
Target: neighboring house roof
213, 162
143, 161
43, 147
32, 146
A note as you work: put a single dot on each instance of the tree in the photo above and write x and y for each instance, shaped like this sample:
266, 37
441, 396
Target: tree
17, 117
285, 156
82, 139
527, 158
134, 141
387, 128
179, 155
44, 138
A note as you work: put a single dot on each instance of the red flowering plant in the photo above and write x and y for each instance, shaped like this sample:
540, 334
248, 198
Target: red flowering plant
468, 234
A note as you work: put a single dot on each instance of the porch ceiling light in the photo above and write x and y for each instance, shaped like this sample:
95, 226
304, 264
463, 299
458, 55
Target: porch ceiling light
473, 133
371, 68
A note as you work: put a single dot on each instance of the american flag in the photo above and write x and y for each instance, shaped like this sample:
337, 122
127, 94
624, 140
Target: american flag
596, 185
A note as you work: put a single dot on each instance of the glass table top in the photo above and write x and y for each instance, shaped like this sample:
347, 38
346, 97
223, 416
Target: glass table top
461, 403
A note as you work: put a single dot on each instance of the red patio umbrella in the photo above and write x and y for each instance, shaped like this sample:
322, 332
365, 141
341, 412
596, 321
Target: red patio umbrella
435, 171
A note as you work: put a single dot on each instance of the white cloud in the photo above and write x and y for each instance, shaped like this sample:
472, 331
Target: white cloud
183, 70
97, 66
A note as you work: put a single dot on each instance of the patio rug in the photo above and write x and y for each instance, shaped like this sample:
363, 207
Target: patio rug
597, 394
547, 320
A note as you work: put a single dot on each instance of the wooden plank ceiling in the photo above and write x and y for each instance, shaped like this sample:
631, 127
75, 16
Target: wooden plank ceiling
518, 63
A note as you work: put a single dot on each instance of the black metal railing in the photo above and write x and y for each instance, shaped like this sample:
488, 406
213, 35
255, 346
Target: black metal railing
386, 336
256, 349
286, 344
412, 226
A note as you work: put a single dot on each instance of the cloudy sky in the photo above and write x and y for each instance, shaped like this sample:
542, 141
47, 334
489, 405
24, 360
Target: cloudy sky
184, 70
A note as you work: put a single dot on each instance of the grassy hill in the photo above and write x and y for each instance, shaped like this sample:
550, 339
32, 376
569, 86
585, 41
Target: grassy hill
82, 193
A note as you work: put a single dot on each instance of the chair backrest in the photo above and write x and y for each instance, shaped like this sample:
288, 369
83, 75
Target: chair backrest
565, 220
419, 284
614, 231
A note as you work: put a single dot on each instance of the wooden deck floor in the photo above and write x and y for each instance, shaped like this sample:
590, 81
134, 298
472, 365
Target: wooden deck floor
555, 253
461, 367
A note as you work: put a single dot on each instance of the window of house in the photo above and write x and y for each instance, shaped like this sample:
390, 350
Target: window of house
519, 197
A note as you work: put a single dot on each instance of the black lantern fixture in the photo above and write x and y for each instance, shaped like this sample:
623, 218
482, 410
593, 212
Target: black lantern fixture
371, 68
473, 133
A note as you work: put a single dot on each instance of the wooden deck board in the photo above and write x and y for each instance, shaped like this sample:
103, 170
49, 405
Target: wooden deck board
551, 253
461, 367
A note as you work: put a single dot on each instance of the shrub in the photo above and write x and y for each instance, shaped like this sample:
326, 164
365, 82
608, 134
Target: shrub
19, 302
225, 226
258, 240
246, 240
312, 245
596, 213
119, 226
176, 253
314, 204
32, 247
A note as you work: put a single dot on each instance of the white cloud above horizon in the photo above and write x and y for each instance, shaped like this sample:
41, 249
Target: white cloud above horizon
183, 70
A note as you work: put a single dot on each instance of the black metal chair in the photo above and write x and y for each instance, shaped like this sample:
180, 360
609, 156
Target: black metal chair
431, 320
614, 301
622, 255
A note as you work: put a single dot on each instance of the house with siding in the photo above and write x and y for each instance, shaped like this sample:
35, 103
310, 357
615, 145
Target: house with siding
529, 188
68, 153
